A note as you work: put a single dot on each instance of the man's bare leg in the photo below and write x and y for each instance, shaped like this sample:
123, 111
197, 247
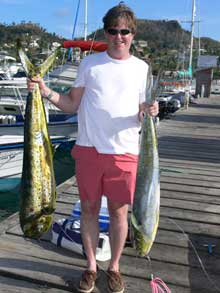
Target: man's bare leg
90, 230
117, 231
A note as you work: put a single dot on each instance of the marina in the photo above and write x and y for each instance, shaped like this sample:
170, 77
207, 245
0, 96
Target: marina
62, 126
186, 252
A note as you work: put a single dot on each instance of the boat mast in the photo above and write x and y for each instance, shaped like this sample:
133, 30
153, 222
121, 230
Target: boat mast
192, 32
86, 21
199, 42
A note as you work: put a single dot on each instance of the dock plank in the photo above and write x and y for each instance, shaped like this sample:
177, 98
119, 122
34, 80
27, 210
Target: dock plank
189, 145
56, 270
10, 285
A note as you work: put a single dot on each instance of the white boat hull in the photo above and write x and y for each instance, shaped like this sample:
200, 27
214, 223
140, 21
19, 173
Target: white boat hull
56, 129
11, 144
11, 163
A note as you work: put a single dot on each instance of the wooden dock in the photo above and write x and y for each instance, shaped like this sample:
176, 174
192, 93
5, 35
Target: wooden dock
186, 253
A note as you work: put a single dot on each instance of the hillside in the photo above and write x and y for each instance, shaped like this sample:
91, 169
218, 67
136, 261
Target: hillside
28, 33
166, 40
164, 35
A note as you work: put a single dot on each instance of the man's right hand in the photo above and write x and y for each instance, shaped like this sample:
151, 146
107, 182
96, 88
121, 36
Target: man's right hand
31, 83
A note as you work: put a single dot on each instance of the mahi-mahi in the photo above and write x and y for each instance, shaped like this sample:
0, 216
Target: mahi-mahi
38, 187
146, 206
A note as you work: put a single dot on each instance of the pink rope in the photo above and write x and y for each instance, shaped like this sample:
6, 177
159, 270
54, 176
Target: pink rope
158, 286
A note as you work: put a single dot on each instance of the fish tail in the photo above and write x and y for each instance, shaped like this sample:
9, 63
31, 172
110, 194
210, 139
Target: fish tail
26, 63
47, 64
32, 70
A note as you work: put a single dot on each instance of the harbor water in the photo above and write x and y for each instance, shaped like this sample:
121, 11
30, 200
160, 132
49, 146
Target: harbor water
10, 187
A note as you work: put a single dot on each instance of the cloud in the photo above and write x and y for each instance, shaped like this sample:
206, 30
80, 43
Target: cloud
62, 12
65, 30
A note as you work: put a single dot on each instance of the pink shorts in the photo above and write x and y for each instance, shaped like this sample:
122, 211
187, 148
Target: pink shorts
105, 174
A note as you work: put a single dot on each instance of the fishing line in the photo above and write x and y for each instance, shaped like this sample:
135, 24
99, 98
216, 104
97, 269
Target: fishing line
157, 284
156, 88
196, 253
173, 170
75, 244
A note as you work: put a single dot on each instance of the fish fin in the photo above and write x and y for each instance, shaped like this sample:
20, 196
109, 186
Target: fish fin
46, 65
26, 63
134, 222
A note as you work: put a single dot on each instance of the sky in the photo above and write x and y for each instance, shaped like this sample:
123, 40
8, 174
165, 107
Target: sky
58, 16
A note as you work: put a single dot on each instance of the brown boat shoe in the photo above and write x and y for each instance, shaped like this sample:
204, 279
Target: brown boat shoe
115, 282
87, 282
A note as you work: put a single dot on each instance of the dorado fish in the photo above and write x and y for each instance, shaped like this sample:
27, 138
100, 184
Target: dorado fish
38, 187
146, 206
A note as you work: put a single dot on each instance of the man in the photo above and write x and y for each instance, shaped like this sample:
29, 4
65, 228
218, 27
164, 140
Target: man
109, 96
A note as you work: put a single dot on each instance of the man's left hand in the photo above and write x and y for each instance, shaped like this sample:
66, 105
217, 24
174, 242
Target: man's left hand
153, 109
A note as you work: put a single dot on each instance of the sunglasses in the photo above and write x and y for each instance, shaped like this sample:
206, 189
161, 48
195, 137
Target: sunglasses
114, 31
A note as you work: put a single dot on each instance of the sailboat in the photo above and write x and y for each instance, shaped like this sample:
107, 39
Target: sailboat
66, 73
188, 73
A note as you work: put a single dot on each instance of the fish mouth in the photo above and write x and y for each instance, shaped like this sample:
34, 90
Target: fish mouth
46, 211
138, 239
37, 228
139, 243
38, 224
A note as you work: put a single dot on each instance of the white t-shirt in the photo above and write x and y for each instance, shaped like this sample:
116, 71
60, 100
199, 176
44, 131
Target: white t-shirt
108, 112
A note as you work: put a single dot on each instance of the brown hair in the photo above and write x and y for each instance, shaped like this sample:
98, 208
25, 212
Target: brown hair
118, 12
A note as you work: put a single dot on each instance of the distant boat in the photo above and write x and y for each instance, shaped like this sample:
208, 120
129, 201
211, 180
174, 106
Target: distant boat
174, 85
66, 73
13, 95
9, 68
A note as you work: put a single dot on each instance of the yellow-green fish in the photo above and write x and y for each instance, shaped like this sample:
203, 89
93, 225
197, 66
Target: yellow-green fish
38, 187
146, 206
